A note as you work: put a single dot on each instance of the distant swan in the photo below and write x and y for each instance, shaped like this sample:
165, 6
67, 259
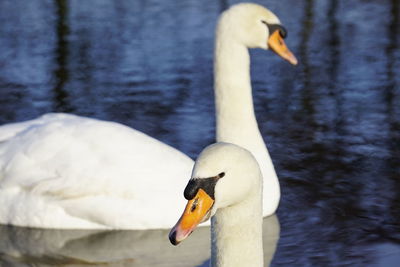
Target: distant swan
65, 171
226, 185
241, 27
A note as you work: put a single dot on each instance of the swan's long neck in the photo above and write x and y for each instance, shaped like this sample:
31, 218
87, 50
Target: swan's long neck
235, 118
236, 234
233, 94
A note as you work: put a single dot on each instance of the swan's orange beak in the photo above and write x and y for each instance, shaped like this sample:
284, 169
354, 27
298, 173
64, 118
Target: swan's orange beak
197, 211
276, 43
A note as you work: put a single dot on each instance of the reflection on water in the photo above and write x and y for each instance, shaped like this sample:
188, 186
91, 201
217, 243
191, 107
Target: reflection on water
61, 55
27, 247
332, 124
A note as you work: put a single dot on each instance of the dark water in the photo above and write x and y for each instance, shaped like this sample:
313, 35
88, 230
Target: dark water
332, 124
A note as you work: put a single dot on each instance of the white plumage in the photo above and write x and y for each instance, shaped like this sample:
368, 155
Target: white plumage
65, 171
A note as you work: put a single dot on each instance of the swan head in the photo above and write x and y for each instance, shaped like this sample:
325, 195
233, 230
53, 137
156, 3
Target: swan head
255, 27
224, 174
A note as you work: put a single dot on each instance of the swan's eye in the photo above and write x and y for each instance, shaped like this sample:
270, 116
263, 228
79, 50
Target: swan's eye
282, 31
274, 27
206, 184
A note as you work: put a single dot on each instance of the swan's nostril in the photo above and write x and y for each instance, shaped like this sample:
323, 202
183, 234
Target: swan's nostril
194, 206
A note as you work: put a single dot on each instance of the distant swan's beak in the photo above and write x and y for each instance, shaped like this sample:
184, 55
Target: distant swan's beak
197, 210
276, 43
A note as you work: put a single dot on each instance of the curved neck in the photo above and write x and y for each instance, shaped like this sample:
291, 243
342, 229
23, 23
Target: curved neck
235, 119
233, 93
236, 234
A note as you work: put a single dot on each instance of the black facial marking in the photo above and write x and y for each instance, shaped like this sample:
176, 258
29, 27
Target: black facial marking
207, 184
274, 27
191, 189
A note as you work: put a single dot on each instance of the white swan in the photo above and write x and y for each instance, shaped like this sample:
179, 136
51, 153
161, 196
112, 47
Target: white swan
241, 27
65, 171
226, 185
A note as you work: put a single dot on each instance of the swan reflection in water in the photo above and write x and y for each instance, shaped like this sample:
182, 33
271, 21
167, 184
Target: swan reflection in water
26, 247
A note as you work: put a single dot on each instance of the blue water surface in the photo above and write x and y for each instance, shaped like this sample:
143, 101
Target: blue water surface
331, 124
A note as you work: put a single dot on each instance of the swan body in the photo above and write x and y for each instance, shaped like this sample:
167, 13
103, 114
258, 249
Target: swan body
229, 177
65, 171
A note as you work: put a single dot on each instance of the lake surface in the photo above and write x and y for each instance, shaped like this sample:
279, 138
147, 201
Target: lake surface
332, 123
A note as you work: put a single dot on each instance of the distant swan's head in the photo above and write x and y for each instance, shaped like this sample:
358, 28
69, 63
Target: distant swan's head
255, 27
224, 174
